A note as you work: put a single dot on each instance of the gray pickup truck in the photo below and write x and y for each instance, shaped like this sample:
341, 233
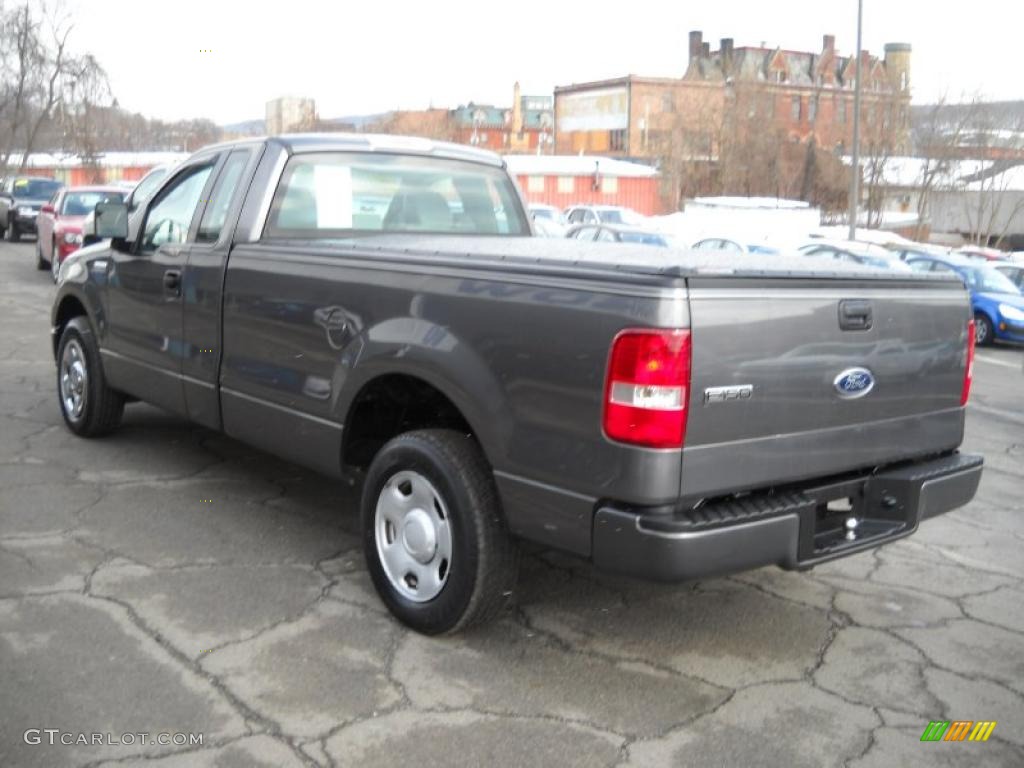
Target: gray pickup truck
376, 307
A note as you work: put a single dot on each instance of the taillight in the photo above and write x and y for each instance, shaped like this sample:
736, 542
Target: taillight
969, 369
647, 387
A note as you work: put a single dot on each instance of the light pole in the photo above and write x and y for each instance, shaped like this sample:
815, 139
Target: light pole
855, 164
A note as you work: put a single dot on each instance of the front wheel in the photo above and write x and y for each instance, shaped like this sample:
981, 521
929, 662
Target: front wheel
984, 333
435, 540
13, 235
89, 406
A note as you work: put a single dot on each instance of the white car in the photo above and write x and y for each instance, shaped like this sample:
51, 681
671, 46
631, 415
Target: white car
603, 214
730, 245
548, 220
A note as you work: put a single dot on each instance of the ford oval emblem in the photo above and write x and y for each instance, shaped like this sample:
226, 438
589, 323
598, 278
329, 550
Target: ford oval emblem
854, 382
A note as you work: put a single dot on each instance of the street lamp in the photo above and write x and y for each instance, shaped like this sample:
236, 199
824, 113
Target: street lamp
855, 164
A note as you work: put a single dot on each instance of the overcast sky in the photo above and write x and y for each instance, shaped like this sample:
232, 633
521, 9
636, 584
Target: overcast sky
374, 55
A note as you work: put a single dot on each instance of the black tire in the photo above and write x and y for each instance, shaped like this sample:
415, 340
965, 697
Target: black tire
481, 578
13, 235
984, 333
41, 263
103, 407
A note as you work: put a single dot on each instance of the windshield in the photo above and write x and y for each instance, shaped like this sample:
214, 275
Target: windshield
335, 194
645, 238
990, 281
36, 189
543, 213
83, 203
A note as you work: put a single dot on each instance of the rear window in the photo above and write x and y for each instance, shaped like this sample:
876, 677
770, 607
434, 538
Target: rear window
83, 203
336, 194
35, 189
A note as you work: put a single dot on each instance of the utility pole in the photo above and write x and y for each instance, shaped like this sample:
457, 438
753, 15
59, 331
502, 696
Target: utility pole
855, 164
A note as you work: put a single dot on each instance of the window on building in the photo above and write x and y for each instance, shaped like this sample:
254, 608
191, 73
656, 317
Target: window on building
841, 111
617, 140
609, 185
534, 183
794, 108
903, 81
566, 185
812, 108
668, 103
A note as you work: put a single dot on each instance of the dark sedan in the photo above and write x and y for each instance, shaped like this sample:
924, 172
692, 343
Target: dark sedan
21, 197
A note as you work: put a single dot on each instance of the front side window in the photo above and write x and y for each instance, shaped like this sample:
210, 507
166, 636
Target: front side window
336, 194
168, 220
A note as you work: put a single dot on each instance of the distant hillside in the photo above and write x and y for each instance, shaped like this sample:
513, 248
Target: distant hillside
246, 127
348, 123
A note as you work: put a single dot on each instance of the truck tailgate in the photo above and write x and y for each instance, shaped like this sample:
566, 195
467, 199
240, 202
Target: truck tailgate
773, 398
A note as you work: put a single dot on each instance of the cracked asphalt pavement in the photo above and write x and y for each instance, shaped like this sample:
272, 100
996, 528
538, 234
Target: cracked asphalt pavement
169, 579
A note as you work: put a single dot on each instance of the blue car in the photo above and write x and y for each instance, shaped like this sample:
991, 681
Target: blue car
997, 303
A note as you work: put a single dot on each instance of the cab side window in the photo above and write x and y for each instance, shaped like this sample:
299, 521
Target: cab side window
169, 218
216, 212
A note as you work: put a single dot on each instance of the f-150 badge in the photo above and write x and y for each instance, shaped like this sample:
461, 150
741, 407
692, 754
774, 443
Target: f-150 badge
728, 394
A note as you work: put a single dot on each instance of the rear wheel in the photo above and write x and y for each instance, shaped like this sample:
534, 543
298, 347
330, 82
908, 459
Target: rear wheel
435, 541
984, 333
90, 408
40, 261
54, 262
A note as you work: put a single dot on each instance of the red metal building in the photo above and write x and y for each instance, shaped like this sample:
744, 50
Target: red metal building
564, 180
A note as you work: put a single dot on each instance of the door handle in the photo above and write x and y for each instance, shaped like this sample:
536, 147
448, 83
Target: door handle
855, 315
172, 281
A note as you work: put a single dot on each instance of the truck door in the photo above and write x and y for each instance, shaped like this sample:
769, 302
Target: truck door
202, 284
145, 343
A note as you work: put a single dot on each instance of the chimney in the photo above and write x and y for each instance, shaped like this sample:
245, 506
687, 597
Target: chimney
517, 109
828, 44
725, 51
696, 43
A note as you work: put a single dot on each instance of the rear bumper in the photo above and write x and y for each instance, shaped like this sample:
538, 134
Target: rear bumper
792, 527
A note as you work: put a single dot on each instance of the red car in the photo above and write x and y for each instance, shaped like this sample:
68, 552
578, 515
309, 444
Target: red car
59, 227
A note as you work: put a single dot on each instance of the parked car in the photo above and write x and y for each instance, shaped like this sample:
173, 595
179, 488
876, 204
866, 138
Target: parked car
981, 253
729, 245
413, 350
21, 197
603, 214
60, 222
996, 302
548, 220
608, 233
856, 252
1014, 271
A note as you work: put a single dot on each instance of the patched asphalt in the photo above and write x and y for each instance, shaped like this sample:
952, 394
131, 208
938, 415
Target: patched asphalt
170, 579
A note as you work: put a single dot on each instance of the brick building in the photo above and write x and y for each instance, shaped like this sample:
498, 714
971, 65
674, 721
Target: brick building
805, 94
526, 126
731, 115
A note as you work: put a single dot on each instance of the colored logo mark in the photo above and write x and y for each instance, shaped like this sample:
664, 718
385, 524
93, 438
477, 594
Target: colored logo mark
958, 730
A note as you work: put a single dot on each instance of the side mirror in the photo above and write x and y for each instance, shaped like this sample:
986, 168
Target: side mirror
47, 209
111, 220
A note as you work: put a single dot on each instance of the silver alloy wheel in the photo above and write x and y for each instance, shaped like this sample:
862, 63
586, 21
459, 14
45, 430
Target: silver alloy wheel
980, 332
413, 535
74, 380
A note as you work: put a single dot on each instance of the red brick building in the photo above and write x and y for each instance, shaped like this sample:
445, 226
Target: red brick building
804, 94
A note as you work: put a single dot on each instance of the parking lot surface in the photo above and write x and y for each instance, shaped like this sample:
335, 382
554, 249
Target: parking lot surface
167, 579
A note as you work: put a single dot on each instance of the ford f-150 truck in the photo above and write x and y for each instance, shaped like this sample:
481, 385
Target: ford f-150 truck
377, 308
